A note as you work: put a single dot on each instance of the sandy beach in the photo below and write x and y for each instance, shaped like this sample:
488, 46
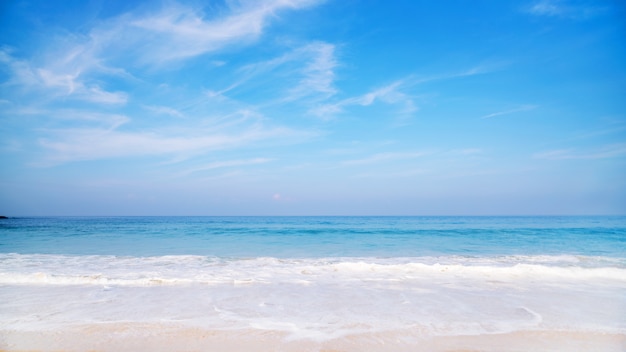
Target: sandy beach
165, 337
369, 301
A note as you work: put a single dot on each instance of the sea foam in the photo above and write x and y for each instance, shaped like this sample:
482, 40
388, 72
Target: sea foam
369, 279
184, 270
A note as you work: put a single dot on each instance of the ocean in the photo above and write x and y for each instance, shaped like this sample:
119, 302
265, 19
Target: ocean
313, 283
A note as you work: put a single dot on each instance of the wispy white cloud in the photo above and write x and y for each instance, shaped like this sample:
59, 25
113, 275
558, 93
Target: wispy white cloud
562, 8
609, 151
66, 82
20, 72
391, 94
318, 74
72, 116
71, 66
164, 110
510, 111
383, 157
97, 95
612, 128
77, 68
468, 151
391, 174
307, 72
107, 121
546, 8
185, 32
227, 164
472, 71
56, 82
104, 136
398, 93
387, 94
80, 144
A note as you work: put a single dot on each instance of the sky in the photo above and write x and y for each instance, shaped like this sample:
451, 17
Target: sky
312, 107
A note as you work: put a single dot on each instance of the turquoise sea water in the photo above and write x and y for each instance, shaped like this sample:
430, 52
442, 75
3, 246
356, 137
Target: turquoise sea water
316, 278
311, 237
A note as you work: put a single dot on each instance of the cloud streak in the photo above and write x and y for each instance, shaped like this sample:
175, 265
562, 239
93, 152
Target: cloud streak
164, 110
227, 164
546, 8
561, 8
396, 93
185, 33
106, 136
391, 94
510, 111
71, 68
318, 74
384, 157
617, 150
89, 75
81, 144
308, 73
56, 82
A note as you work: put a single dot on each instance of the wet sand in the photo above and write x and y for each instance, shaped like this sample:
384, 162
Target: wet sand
166, 337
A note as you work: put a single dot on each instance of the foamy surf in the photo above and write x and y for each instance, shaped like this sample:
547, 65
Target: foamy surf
184, 270
320, 299
496, 297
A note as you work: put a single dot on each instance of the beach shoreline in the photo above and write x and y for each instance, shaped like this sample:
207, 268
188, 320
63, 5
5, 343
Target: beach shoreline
122, 337
273, 284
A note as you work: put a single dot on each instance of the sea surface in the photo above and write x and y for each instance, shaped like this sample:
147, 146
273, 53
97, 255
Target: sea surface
316, 278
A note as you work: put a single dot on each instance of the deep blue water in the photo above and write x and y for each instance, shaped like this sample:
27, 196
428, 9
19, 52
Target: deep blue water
313, 237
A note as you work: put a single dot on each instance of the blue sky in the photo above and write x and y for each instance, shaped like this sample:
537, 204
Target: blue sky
308, 107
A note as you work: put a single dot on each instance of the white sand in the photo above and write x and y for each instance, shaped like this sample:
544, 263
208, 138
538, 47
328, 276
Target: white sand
158, 337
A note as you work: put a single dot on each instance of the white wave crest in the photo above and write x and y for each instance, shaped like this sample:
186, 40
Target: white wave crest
185, 270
